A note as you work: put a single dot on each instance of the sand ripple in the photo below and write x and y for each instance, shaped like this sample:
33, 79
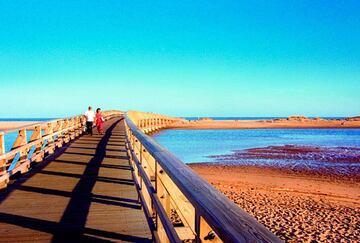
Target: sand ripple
296, 206
296, 219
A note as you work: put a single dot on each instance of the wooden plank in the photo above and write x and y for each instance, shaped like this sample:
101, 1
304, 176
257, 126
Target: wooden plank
185, 233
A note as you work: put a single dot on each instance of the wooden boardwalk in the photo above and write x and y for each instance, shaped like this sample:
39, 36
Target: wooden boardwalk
83, 193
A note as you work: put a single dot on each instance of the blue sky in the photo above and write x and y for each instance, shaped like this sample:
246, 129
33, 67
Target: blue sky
189, 58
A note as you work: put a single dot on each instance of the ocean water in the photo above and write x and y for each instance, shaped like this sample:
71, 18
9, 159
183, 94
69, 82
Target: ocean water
197, 145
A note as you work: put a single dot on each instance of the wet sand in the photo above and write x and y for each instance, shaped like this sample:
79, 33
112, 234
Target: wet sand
5, 125
274, 123
330, 162
295, 206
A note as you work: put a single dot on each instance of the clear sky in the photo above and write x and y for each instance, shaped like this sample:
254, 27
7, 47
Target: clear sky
189, 58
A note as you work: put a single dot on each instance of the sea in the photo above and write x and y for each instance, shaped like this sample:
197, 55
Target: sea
220, 146
199, 145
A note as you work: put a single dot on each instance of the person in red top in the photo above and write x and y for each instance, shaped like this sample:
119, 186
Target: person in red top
99, 120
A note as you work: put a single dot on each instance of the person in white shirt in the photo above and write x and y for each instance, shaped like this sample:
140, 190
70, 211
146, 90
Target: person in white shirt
90, 116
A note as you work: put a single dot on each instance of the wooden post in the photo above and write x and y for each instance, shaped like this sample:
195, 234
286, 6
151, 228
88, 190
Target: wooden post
165, 202
23, 164
60, 138
78, 130
137, 151
49, 149
147, 168
2, 151
151, 166
206, 234
20, 139
72, 130
57, 127
66, 133
83, 122
161, 234
183, 206
38, 155
4, 179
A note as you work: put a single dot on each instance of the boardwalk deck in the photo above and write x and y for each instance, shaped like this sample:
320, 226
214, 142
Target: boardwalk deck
84, 192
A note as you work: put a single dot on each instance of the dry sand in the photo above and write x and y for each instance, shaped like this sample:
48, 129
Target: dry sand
8, 125
274, 123
297, 207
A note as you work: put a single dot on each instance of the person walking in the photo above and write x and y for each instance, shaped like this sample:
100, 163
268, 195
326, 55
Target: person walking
99, 119
90, 116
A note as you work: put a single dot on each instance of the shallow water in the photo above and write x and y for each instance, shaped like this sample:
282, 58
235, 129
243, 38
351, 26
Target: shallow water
10, 138
198, 145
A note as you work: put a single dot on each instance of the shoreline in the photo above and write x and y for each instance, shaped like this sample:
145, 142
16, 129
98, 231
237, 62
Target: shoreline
293, 205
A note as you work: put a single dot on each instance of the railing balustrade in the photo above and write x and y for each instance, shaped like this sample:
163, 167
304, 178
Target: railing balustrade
45, 138
181, 206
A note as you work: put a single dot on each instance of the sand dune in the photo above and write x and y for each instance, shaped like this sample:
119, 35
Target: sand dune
290, 122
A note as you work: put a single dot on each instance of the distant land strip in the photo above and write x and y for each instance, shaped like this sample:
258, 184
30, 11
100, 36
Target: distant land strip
209, 123
290, 122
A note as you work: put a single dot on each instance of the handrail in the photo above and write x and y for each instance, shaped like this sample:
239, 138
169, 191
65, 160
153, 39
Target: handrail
56, 133
204, 211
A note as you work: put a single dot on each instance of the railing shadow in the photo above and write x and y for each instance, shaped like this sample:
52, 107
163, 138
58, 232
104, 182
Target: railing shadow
99, 178
53, 228
120, 167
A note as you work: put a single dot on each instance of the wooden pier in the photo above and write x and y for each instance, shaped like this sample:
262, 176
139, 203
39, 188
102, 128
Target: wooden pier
63, 186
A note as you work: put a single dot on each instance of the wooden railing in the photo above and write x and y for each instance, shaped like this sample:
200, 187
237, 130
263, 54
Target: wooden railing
180, 206
44, 139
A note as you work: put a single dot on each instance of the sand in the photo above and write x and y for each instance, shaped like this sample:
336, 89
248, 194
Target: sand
291, 122
274, 123
9, 125
295, 206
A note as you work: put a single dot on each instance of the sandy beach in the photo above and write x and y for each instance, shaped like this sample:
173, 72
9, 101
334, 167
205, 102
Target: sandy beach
295, 206
291, 122
8, 125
